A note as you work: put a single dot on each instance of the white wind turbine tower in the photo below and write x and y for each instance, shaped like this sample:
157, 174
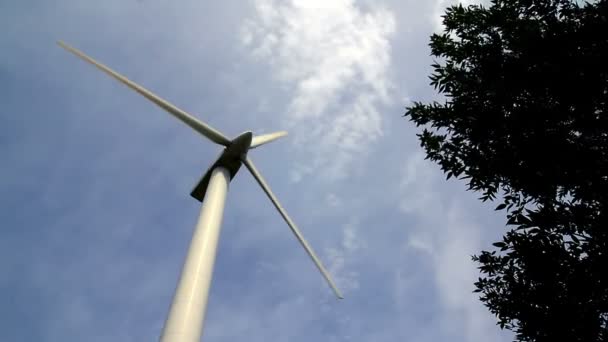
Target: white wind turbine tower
185, 319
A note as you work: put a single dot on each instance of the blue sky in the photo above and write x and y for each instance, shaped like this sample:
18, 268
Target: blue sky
95, 211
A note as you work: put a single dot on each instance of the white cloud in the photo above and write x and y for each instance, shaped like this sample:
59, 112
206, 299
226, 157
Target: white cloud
418, 194
446, 235
332, 59
346, 277
333, 200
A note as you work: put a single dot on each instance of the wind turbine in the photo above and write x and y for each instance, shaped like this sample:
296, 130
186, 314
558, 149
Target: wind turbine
185, 318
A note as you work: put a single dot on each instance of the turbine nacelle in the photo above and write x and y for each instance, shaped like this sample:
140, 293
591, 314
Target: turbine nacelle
232, 158
241, 143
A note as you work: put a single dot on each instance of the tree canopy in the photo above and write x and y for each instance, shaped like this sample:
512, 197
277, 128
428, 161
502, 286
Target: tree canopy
523, 120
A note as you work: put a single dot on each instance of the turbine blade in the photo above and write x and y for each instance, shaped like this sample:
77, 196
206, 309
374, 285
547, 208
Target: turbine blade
266, 138
186, 118
258, 177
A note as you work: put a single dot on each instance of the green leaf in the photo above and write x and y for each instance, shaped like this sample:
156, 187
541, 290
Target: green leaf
501, 206
499, 244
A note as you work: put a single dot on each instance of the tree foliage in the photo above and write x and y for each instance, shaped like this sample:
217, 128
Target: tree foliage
524, 121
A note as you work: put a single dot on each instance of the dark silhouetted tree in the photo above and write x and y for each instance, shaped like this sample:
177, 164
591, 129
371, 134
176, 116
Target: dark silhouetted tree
524, 121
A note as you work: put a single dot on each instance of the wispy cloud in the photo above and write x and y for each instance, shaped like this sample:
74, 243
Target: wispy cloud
351, 243
333, 59
447, 236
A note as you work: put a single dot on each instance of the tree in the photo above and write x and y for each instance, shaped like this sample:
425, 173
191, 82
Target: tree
523, 120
